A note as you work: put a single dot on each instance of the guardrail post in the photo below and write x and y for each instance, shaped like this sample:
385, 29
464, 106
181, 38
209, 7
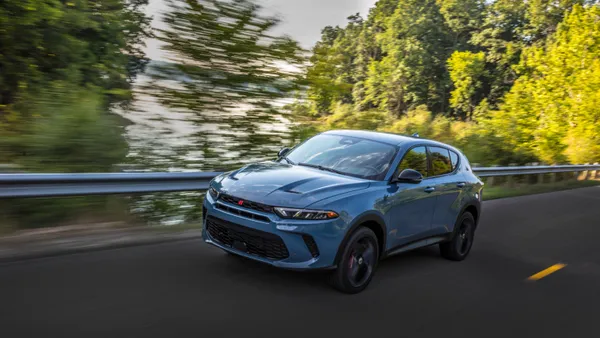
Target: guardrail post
585, 174
510, 180
578, 175
540, 177
574, 175
553, 177
595, 176
491, 179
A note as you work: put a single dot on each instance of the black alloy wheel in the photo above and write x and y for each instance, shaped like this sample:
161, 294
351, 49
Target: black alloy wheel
358, 262
459, 247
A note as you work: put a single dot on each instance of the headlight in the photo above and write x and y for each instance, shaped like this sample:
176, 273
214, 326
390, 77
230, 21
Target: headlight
213, 192
305, 214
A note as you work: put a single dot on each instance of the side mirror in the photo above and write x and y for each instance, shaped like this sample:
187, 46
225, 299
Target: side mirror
283, 152
409, 176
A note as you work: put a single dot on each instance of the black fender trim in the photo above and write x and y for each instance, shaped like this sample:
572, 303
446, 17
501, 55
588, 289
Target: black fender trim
356, 224
477, 217
477, 206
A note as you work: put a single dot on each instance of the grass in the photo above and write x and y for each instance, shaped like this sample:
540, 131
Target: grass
495, 192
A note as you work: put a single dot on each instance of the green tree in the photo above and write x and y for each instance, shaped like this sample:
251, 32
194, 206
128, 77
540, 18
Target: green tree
501, 37
63, 65
463, 18
228, 71
71, 132
322, 74
467, 71
552, 110
416, 45
370, 49
332, 73
508, 27
88, 43
543, 16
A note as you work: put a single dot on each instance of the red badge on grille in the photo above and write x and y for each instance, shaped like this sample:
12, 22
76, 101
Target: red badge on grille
241, 202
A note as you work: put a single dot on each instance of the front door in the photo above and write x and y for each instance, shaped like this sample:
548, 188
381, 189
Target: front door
411, 206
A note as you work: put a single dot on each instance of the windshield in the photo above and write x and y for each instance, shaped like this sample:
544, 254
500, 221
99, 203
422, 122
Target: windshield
346, 155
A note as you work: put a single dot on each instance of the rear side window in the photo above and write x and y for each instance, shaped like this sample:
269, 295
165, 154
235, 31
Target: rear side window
415, 159
440, 161
454, 159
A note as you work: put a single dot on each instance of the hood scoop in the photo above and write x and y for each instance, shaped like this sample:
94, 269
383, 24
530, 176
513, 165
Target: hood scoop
277, 184
291, 188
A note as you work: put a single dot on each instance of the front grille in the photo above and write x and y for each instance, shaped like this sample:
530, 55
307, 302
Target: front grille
245, 204
311, 245
242, 213
256, 242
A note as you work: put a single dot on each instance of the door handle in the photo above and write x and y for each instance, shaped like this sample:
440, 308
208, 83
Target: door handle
429, 190
461, 185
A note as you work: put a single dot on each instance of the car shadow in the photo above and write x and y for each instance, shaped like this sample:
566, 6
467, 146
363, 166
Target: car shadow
260, 275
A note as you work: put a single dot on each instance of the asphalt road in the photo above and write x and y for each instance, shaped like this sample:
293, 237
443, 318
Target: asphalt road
188, 289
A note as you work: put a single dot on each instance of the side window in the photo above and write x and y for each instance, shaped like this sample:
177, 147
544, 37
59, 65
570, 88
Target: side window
454, 159
415, 159
440, 161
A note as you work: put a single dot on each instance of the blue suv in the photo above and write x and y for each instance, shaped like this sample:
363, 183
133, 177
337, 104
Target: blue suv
343, 200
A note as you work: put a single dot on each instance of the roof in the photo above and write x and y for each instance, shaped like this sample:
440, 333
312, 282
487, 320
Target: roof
389, 138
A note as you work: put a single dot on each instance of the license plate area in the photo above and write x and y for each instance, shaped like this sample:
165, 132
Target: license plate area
240, 246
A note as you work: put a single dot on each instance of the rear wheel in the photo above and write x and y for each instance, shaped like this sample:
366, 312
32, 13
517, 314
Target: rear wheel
460, 245
358, 262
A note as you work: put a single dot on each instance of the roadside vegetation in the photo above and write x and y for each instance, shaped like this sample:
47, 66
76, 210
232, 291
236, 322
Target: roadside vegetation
63, 66
492, 193
506, 81
504, 187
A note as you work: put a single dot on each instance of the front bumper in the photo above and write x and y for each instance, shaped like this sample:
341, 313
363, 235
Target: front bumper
327, 235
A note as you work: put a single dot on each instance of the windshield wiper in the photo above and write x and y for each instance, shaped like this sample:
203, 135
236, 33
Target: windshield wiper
289, 161
320, 167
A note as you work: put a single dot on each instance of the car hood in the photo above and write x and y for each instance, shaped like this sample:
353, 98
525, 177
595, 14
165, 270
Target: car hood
278, 184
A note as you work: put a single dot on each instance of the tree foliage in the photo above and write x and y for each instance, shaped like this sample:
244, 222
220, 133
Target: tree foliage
229, 71
63, 65
516, 78
224, 55
552, 110
467, 71
92, 45
84, 42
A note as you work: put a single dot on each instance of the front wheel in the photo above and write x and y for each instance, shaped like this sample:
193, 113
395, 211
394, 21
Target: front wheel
358, 262
462, 241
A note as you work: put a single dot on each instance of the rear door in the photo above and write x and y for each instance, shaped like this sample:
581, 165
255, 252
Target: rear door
448, 182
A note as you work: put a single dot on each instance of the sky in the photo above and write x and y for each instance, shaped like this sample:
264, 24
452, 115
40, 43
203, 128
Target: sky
301, 19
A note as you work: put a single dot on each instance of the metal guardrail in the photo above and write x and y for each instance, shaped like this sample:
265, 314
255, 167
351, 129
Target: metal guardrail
533, 170
50, 185
55, 185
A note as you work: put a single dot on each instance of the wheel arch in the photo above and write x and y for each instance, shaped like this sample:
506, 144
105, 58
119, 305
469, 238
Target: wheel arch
374, 222
474, 208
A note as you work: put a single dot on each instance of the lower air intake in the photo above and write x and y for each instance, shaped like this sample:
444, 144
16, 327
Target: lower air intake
311, 245
254, 242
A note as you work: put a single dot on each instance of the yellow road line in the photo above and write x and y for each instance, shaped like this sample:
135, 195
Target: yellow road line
546, 272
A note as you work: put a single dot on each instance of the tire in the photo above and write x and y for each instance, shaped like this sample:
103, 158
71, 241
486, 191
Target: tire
358, 262
458, 248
